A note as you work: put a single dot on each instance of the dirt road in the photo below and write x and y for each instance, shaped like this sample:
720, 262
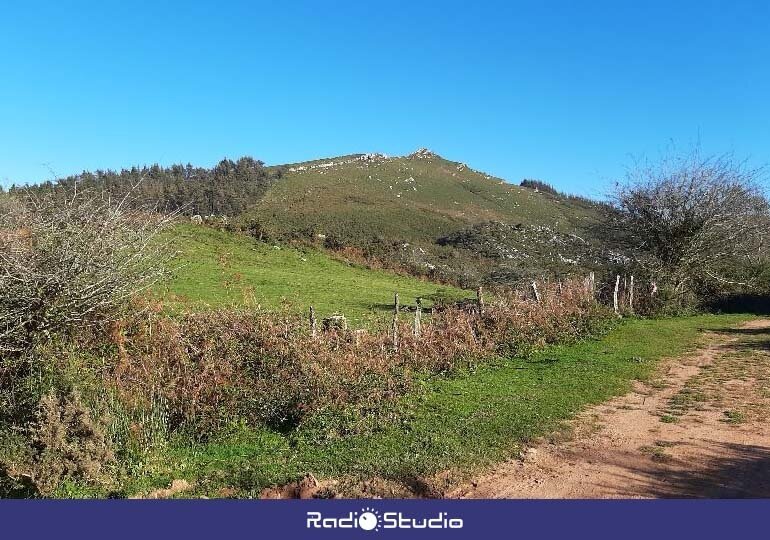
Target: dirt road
701, 429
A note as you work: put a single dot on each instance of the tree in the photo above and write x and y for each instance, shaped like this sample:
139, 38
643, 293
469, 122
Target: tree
698, 224
229, 188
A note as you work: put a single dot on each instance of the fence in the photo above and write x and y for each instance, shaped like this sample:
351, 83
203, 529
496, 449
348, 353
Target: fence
622, 302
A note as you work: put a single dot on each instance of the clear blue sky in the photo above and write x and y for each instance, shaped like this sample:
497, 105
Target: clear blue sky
560, 91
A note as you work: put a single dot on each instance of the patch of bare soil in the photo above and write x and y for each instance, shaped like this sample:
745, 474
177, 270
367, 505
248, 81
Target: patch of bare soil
700, 430
307, 487
176, 487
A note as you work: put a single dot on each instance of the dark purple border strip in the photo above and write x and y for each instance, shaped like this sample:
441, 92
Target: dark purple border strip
213, 519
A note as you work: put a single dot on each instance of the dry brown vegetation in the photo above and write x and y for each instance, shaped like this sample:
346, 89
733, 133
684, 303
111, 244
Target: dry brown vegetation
148, 378
210, 368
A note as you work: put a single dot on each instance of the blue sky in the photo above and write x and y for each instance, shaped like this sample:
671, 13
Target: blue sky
565, 92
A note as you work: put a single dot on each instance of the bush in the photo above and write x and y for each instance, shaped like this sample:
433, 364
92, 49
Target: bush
539, 185
210, 369
70, 260
697, 225
65, 442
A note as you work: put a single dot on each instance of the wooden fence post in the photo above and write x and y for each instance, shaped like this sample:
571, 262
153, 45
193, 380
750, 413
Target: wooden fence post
395, 321
417, 318
534, 290
313, 324
592, 283
480, 300
631, 294
615, 295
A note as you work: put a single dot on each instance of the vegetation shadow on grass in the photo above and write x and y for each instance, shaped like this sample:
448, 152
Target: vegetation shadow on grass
756, 304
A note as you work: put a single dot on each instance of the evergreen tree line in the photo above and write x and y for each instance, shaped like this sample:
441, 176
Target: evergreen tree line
227, 189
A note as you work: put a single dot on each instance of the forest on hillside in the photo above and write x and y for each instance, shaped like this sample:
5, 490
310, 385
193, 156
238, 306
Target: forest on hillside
227, 189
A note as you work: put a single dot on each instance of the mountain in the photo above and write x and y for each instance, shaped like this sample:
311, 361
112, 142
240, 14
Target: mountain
414, 198
431, 215
420, 213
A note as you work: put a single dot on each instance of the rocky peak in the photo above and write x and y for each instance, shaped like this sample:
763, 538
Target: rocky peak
423, 153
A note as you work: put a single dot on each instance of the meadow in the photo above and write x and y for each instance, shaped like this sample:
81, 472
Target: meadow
216, 269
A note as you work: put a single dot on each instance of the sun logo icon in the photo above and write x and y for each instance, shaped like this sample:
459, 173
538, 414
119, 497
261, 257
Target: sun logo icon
369, 520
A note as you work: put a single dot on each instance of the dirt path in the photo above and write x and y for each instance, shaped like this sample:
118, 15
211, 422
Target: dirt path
701, 430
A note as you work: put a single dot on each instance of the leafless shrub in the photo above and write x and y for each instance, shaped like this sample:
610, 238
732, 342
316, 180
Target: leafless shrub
694, 223
69, 258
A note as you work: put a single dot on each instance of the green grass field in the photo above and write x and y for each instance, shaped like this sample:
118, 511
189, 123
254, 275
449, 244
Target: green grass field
459, 423
216, 269
405, 199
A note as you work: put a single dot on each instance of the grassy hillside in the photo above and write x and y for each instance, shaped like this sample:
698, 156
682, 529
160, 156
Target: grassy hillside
400, 209
420, 212
414, 198
215, 268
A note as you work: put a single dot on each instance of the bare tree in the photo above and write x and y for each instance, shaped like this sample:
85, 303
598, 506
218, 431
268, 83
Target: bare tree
69, 258
695, 222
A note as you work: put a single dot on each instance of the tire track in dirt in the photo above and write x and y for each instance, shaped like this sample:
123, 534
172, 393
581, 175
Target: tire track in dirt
631, 447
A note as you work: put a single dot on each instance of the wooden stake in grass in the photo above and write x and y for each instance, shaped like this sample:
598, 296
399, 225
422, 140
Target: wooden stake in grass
534, 290
417, 318
480, 300
631, 294
615, 295
395, 321
313, 324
